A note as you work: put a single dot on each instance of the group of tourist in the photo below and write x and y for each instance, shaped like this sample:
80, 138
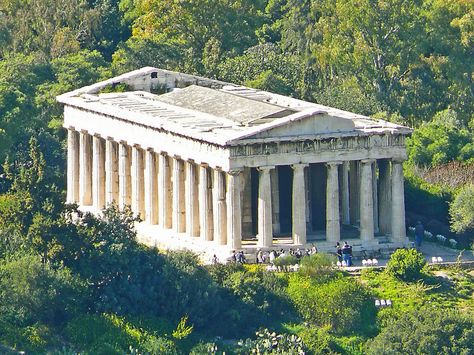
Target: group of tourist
264, 257
344, 253
235, 257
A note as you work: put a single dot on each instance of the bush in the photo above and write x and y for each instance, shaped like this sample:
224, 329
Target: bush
427, 331
343, 304
283, 262
204, 348
420, 196
267, 342
318, 339
109, 334
319, 266
461, 210
406, 264
32, 292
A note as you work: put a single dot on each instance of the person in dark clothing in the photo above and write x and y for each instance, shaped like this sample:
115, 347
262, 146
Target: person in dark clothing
338, 251
419, 233
347, 254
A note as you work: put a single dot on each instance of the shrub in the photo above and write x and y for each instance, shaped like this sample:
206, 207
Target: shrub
427, 331
204, 348
461, 210
343, 304
267, 342
33, 338
32, 292
110, 334
406, 264
283, 262
432, 200
319, 266
318, 339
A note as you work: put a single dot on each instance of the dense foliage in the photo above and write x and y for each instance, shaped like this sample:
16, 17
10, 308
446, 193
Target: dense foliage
80, 283
426, 331
462, 210
406, 264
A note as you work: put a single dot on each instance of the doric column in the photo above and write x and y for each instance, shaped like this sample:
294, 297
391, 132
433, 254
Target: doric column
165, 192
125, 180
375, 197
179, 214
191, 198
220, 209
385, 188
346, 215
151, 187
299, 204
72, 166
366, 202
98, 173
398, 202
234, 213
138, 193
354, 191
205, 204
333, 228
85, 172
275, 184
265, 230
111, 172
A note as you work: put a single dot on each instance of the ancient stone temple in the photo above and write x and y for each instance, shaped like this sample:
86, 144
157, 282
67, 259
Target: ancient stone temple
213, 166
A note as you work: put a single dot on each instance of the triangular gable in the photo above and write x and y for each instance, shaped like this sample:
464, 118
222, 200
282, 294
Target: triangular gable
317, 124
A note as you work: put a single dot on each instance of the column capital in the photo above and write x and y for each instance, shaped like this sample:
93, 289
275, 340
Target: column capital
71, 128
85, 131
204, 165
191, 161
97, 135
123, 142
110, 138
234, 171
333, 163
266, 169
367, 161
136, 145
299, 166
177, 157
151, 150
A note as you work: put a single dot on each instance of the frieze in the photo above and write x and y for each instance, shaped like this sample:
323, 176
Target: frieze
318, 145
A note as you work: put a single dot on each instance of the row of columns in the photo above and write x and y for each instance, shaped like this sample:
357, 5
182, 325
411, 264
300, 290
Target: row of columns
176, 194
357, 203
204, 202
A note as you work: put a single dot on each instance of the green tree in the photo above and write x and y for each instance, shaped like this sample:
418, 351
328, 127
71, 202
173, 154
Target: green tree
406, 264
343, 304
263, 66
232, 23
426, 331
461, 210
31, 291
440, 141
402, 52
31, 25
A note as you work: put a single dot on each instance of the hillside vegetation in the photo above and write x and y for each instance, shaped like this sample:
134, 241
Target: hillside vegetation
88, 287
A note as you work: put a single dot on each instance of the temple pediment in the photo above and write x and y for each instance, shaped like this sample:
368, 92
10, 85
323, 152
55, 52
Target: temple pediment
311, 125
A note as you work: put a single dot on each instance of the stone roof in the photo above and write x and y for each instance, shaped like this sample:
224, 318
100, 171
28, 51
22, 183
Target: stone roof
218, 112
